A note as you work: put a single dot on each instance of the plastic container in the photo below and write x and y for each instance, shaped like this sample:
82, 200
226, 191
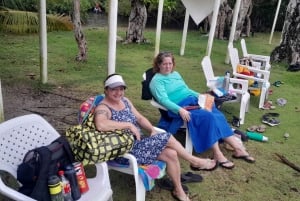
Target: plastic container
71, 176
55, 190
257, 137
66, 187
226, 81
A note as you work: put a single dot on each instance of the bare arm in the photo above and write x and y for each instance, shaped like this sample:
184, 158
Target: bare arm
142, 121
103, 122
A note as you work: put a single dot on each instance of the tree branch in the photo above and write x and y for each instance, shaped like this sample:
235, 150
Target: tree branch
287, 162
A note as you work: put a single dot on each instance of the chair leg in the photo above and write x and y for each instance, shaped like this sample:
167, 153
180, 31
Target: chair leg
188, 140
139, 188
244, 107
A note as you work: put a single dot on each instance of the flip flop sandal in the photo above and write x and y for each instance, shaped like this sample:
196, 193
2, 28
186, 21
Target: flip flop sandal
246, 158
190, 177
167, 184
268, 106
272, 114
261, 128
252, 128
223, 164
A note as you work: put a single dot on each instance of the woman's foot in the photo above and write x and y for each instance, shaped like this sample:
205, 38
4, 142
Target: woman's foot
177, 197
223, 161
209, 165
244, 155
226, 164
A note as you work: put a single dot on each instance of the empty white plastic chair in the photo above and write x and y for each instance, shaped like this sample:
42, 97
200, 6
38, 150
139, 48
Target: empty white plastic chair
262, 80
21, 134
263, 59
240, 92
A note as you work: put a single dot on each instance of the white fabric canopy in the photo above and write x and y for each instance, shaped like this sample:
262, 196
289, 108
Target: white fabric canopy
198, 10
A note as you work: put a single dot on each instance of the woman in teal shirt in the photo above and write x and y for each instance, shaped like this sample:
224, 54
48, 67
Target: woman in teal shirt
206, 128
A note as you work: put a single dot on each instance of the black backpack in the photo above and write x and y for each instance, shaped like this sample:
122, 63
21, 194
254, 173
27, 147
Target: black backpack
40, 163
146, 93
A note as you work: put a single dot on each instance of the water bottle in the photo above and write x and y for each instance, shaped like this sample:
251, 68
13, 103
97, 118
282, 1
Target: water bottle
226, 81
55, 190
66, 187
257, 136
70, 174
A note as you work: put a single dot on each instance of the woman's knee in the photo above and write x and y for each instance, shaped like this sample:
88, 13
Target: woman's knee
168, 154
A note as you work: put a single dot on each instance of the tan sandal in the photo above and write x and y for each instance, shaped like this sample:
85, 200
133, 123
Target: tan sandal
261, 128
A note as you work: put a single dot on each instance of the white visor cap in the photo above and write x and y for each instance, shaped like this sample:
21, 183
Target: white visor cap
115, 81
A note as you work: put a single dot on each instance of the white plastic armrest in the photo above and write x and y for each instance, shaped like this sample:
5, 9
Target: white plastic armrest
260, 57
243, 83
157, 105
249, 77
159, 130
265, 73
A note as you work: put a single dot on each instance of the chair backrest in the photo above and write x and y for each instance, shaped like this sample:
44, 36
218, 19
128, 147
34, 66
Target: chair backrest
234, 58
21, 134
207, 69
244, 48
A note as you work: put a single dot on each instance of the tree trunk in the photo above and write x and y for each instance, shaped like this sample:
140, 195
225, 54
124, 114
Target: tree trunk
137, 22
224, 22
79, 36
289, 49
244, 23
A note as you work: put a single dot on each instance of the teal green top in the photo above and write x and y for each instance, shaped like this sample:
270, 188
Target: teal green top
170, 89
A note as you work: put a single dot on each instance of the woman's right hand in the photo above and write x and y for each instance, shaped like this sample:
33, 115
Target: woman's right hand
184, 114
135, 131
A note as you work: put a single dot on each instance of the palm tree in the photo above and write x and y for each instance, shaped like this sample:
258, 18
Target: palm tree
17, 21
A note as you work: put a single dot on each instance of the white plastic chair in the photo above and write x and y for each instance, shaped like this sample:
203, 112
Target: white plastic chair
21, 134
132, 169
263, 80
241, 92
264, 60
188, 140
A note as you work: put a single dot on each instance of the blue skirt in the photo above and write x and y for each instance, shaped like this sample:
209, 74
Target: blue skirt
207, 128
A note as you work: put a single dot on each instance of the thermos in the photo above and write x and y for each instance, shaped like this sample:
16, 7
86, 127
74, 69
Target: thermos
55, 189
257, 136
71, 176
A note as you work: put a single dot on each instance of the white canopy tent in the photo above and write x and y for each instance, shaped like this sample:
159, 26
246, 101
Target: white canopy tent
198, 11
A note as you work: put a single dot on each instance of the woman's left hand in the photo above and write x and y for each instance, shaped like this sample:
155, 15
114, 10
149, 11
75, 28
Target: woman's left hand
184, 114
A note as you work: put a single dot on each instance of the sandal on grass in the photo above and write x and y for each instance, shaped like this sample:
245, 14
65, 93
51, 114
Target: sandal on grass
180, 199
190, 177
206, 167
168, 185
246, 158
261, 128
252, 128
268, 106
224, 164
266, 119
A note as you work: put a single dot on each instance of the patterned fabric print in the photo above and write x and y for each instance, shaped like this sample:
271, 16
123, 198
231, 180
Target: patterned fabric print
147, 149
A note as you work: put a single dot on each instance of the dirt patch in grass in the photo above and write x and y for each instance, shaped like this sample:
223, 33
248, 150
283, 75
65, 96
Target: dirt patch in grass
59, 106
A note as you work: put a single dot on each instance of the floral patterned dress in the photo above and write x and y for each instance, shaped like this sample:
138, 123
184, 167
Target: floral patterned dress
147, 149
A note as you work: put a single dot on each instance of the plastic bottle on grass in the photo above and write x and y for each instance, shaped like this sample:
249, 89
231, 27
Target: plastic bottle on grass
257, 137
66, 187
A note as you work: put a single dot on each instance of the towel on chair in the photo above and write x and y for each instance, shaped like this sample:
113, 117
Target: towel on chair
148, 173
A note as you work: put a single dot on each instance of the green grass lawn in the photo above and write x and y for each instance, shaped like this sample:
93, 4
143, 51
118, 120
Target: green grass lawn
268, 179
